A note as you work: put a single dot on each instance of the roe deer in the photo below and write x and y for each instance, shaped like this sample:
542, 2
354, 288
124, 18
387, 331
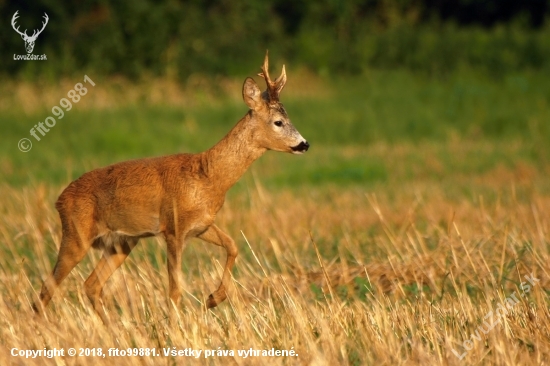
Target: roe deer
174, 196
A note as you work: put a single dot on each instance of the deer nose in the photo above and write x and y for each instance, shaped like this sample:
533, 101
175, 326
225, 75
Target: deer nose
301, 147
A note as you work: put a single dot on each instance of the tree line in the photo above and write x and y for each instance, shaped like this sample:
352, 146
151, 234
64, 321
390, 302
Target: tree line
222, 37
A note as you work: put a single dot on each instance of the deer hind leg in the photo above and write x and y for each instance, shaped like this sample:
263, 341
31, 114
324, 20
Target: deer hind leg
215, 236
113, 257
75, 243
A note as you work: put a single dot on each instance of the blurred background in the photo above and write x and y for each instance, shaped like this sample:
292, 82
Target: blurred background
456, 85
181, 38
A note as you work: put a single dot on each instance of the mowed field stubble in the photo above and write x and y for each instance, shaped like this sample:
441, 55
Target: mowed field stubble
415, 230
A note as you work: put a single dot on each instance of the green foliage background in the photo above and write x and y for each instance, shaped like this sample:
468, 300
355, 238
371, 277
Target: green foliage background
180, 38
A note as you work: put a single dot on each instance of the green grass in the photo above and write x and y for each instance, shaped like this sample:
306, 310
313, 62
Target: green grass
381, 108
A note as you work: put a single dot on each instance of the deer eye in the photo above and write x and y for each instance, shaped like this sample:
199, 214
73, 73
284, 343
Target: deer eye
278, 123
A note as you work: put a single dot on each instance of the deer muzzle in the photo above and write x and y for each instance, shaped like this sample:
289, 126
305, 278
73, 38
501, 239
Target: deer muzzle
301, 148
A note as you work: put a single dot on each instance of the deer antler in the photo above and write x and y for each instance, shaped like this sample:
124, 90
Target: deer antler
273, 87
13, 19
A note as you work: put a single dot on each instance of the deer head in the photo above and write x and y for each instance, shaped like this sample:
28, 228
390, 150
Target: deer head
273, 129
29, 40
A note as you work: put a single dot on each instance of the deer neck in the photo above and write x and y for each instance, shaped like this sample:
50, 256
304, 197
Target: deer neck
226, 162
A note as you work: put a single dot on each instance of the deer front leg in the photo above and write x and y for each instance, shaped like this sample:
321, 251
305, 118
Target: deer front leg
215, 236
174, 250
113, 257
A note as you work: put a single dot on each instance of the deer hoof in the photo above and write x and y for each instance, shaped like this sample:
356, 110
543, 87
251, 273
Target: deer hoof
37, 309
216, 298
211, 302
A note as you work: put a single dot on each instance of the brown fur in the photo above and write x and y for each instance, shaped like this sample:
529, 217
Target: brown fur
174, 196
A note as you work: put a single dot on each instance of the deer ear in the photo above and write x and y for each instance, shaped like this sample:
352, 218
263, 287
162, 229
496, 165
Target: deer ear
252, 95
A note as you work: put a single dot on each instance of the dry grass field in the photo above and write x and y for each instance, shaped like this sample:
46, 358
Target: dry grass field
395, 275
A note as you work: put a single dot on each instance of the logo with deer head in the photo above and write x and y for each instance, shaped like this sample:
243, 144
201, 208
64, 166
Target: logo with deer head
29, 40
